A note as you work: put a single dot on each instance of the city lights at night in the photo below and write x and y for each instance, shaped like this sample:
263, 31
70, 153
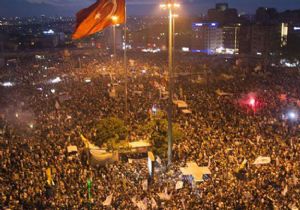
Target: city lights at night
146, 104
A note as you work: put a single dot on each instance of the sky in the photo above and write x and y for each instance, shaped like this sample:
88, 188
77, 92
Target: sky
11, 8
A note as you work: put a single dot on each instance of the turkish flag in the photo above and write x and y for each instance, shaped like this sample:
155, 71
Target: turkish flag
98, 16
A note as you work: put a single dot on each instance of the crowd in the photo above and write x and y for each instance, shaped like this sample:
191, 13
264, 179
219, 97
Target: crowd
221, 133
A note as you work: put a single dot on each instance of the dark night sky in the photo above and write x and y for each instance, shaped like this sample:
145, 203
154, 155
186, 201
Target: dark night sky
135, 7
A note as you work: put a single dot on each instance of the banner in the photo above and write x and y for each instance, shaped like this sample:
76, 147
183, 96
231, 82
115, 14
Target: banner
108, 200
179, 185
262, 160
145, 185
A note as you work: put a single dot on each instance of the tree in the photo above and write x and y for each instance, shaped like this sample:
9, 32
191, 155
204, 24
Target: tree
110, 131
157, 127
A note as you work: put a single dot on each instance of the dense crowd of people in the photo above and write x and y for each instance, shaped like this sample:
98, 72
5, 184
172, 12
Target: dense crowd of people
52, 101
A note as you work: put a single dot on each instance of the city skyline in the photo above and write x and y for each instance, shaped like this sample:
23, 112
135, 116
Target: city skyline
23, 8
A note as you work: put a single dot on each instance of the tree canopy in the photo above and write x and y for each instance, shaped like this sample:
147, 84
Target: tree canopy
157, 127
110, 131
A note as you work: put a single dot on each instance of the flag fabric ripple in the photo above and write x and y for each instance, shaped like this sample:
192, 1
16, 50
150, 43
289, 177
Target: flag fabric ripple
98, 16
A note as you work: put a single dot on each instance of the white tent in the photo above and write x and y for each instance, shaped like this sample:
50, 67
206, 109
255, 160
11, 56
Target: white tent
98, 155
102, 157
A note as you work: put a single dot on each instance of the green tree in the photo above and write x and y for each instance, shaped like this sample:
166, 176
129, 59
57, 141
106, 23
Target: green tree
157, 127
110, 131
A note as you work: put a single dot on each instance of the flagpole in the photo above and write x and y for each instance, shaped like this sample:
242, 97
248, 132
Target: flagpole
114, 42
170, 5
170, 103
125, 65
115, 21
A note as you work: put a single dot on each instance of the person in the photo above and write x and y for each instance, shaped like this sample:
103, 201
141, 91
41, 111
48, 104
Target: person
219, 132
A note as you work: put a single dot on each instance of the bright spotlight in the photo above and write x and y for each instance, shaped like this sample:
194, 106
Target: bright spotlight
292, 115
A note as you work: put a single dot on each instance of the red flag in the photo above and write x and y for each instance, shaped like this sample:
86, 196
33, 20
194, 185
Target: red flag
98, 16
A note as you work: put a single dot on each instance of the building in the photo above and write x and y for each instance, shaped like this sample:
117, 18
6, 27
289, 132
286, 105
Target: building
266, 39
223, 14
266, 15
245, 37
211, 38
206, 37
230, 39
259, 39
293, 40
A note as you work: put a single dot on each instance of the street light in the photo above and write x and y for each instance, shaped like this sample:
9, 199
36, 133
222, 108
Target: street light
115, 21
174, 32
170, 6
114, 18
